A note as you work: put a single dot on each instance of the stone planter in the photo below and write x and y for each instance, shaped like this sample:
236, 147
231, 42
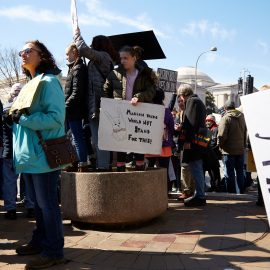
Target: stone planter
114, 198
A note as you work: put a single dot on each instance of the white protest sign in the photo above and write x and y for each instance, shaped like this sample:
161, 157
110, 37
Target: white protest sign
127, 128
74, 17
255, 108
26, 95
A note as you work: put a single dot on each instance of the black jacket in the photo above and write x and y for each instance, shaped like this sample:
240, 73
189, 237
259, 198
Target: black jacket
7, 142
75, 91
144, 86
193, 122
6, 133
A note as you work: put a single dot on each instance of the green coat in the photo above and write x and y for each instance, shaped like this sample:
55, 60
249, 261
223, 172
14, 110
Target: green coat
232, 133
144, 86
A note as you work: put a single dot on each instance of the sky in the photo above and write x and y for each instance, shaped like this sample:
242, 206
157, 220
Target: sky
238, 28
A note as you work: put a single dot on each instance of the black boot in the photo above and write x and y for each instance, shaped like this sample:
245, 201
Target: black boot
121, 169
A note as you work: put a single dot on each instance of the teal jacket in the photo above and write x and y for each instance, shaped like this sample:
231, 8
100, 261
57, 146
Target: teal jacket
47, 114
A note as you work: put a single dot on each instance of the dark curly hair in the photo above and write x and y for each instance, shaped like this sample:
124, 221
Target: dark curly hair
47, 64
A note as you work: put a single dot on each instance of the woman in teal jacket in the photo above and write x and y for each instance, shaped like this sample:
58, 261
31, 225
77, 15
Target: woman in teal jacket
46, 114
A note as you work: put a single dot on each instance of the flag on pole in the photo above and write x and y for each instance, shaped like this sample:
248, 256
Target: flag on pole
74, 17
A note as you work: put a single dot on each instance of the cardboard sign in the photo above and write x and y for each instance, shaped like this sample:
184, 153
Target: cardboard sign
255, 108
127, 128
167, 80
26, 95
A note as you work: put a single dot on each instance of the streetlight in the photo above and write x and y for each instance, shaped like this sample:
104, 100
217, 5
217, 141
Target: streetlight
213, 49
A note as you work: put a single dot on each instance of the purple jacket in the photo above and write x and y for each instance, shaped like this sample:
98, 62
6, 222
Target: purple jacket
168, 129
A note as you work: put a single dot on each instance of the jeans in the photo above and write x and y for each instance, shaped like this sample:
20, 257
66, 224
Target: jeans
78, 138
27, 196
187, 181
1, 178
48, 234
196, 170
103, 157
232, 164
9, 185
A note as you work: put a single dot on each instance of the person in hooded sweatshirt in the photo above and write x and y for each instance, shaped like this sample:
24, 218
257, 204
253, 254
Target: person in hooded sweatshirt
231, 138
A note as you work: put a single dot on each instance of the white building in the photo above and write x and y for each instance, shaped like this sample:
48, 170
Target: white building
221, 92
187, 75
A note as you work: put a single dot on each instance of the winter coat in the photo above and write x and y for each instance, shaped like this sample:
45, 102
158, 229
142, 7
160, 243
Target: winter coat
213, 143
193, 123
144, 86
75, 91
232, 133
172, 101
47, 114
168, 129
104, 62
1, 124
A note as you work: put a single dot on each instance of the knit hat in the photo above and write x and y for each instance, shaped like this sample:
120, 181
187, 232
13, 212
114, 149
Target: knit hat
15, 89
211, 118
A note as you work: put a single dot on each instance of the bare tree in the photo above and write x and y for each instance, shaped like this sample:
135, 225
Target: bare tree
9, 66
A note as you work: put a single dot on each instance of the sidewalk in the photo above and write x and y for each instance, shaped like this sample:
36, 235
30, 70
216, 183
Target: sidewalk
231, 232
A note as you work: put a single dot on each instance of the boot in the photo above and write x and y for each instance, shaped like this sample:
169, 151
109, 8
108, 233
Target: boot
72, 168
83, 167
121, 168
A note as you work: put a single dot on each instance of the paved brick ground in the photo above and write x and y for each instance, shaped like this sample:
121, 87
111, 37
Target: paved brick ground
231, 232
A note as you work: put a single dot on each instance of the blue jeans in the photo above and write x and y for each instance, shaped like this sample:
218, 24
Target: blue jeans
232, 164
9, 185
78, 138
196, 170
1, 178
103, 157
48, 234
28, 196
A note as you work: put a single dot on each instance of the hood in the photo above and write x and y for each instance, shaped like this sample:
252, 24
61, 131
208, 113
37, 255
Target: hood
234, 113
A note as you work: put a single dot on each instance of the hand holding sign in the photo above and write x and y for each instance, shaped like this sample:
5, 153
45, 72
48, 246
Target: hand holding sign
134, 101
74, 17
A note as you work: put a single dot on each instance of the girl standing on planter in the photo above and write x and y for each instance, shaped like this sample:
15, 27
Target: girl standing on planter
132, 82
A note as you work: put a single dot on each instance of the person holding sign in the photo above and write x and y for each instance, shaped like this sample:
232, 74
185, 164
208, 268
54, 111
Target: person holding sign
47, 115
102, 57
135, 83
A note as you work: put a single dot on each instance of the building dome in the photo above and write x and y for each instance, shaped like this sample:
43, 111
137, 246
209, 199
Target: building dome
187, 75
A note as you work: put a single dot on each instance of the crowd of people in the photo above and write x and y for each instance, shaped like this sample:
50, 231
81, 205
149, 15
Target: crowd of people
192, 142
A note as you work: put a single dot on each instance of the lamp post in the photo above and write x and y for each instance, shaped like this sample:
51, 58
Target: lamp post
213, 49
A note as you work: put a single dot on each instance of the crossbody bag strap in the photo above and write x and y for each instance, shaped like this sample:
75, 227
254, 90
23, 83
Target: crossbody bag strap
41, 140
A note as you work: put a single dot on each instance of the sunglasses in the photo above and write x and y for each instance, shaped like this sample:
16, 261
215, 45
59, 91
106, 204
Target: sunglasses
27, 51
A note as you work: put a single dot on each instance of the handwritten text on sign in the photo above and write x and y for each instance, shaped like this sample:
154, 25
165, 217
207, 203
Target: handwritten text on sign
257, 104
127, 128
167, 79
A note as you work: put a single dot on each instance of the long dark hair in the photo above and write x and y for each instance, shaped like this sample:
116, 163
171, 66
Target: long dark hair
103, 43
47, 63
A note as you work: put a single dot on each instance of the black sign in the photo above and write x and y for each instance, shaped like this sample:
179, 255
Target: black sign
167, 79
